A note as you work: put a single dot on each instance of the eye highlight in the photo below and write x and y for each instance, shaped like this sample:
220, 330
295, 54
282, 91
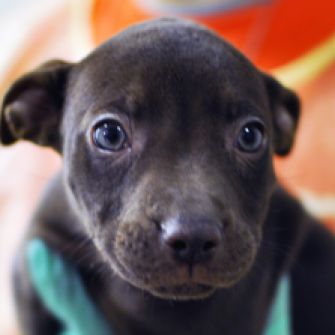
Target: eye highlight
109, 135
251, 137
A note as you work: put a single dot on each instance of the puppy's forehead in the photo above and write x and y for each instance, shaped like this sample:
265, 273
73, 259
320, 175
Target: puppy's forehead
166, 57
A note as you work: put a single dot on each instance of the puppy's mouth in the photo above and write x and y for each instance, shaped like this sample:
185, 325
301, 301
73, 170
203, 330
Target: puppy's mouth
192, 291
176, 289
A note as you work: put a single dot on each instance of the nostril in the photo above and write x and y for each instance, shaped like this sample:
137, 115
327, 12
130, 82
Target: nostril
179, 245
209, 245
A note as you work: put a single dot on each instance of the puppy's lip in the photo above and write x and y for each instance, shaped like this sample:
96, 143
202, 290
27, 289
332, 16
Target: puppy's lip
190, 291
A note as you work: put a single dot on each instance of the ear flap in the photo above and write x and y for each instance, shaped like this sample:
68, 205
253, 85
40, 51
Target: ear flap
285, 107
32, 107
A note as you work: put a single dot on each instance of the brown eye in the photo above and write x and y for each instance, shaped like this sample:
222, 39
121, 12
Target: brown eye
109, 135
250, 138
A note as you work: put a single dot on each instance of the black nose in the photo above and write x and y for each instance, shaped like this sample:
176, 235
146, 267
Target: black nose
191, 240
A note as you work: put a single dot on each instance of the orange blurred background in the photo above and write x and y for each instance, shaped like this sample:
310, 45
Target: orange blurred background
293, 40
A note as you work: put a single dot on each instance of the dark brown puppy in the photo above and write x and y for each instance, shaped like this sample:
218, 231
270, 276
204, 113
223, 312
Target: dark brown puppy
167, 202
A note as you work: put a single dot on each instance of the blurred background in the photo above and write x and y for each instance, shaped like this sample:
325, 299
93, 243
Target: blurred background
293, 40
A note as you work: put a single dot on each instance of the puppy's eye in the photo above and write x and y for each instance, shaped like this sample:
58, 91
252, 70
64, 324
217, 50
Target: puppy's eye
109, 135
250, 138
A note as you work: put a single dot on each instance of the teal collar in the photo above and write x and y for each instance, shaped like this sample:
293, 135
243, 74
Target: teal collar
60, 288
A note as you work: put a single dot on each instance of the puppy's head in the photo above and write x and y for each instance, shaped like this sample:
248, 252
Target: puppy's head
167, 134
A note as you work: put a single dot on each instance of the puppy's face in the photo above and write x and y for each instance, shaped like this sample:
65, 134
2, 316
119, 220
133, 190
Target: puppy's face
167, 134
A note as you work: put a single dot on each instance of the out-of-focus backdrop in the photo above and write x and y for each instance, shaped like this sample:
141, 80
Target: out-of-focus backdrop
293, 40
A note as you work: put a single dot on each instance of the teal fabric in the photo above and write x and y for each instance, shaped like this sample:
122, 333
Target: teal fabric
62, 292
279, 320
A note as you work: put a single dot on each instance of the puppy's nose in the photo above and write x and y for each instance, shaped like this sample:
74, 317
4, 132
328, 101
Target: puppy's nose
191, 240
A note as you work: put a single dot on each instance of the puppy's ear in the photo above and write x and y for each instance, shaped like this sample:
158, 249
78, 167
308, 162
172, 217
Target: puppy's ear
285, 107
32, 107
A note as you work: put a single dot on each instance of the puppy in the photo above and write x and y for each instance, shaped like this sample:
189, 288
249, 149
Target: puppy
167, 203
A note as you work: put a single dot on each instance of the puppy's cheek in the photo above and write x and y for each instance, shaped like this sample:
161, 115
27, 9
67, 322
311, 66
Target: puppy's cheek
137, 252
241, 245
140, 260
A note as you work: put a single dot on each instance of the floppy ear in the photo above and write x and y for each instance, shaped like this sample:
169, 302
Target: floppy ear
32, 107
285, 107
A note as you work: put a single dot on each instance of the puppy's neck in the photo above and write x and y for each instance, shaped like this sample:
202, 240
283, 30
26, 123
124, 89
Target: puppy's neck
138, 312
